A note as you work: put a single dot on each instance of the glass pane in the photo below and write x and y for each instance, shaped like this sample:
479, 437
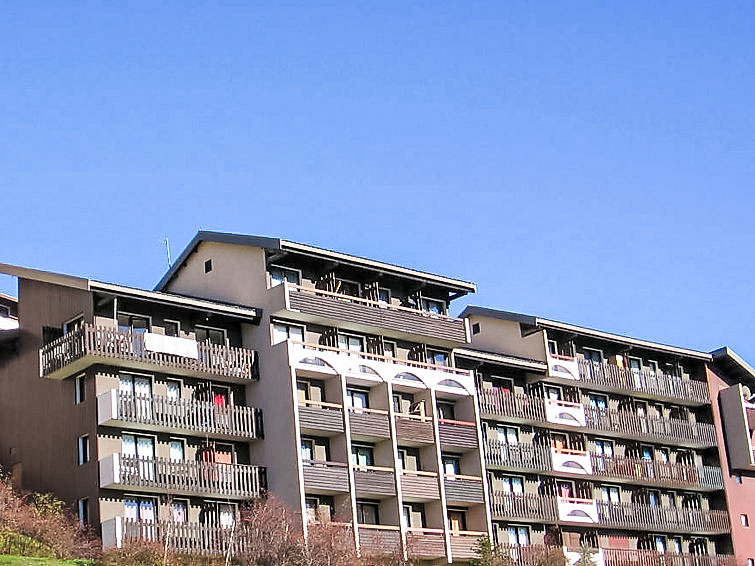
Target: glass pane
130, 509
296, 333
180, 512
276, 276
174, 390
176, 450
128, 443
126, 384
147, 511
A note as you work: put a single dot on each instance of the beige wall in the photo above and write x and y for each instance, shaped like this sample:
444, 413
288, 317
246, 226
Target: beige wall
505, 337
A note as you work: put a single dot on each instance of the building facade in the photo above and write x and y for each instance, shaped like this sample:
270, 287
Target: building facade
343, 386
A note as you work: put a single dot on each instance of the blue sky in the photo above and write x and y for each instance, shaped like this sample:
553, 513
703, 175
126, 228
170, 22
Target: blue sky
588, 162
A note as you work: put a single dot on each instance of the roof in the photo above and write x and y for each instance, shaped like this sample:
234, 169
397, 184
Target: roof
122, 290
10, 298
539, 323
504, 359
733, 363
277, 244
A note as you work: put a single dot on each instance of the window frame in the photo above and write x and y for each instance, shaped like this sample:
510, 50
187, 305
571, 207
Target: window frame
178, 327
134, 314
206, 327
288, 326
83, 449
79, 386
283, 268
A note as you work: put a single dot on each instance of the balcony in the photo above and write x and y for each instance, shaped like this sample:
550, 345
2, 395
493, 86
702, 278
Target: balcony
643, 383
369, 424
571, 461
464, 489
414, 430
524, 457
425, 543
516, 407
652, 429
374, 481
72, 353
185, 416
459, 435
318, 417
523, 506
372, 317
325, 477
379, 539
464, 543
674, 519
638, 470
160, 475
576, 510
181, 538
621, 557
419, 486
565, 413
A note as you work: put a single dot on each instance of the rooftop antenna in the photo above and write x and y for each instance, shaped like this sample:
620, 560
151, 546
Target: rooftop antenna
167, 249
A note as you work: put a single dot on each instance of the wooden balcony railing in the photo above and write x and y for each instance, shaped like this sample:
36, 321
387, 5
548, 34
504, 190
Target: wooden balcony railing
531, 555
379, 539
345, 308
372, 423
464, 544
320, 416
425, 543
517, 456
186, 415
504, 505
415, 428
622, 557
374, 481
417, 484
464, 489
332, 477
673, 519
644, 382
235, 481
187, 538
663, 473
102, 344
527, 408
461, 435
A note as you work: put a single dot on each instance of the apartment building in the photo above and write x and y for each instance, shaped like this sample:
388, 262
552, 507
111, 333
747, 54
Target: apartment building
257, 364
132, 406
598, 440
8, 312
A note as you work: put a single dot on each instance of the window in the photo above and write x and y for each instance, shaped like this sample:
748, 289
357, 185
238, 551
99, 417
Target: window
141, 509
315, 450
389, 349
82, 506
402, 402
511, 484
208, 266
675, 545
592, 354
173, 388
358, 398
744, 520
737, 478
502, 384
368, 512
635, 364
350, 288
599, 402
446, 411
553, 347
751, 562
177, 451
433, 306
437, 357
476, 328
660, 543
211, 335
609, 493
413, 515
4, 311
283, 332
508, 435
319, 508
138, 392
604, 448
653, 366
553, 393
80, 389
133, 323
451, 464
280, 274
654, 498
362, 455
409, 459
457, 520
384, 295
519, 535
139, 455
351, 343
172, 328
73, 325
83, 449
180, 511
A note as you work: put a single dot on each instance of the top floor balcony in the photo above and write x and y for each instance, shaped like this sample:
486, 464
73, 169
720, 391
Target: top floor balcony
92, 344
372, 317
643, 383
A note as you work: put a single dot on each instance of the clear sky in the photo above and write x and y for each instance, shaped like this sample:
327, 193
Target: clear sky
588, 162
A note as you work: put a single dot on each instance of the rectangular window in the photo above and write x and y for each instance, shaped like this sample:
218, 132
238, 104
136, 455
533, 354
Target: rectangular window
212, 335
384, 295
437, 357
592, 354
208, 266
368, 512
83, 449
362, 455
177, 451
351, 343
133, 322
451, 464
413, 515
172, 328
82, 506
609, 493
433, 306
402, 402
409, 459
180, 511
319, 508
389, 349
744, 519
350, 288
508, 435
280, 274
604, 448
446, 411
140, 509
283, 332
315, 449
73, 325
599, 402
457, 520
173, 389
519, 535
80, 388
358, 398
511, 484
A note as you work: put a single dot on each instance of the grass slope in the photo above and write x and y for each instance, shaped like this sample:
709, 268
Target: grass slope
8, 560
